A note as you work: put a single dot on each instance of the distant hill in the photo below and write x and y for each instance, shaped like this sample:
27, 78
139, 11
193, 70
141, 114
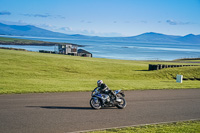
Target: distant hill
16, 41
190, 38
27, 30
155, 37
150, 37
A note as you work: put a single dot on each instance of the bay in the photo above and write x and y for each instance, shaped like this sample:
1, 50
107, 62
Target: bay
121, 49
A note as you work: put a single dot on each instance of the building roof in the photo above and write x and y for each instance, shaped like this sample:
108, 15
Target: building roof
77, 45
68, 44
83, 51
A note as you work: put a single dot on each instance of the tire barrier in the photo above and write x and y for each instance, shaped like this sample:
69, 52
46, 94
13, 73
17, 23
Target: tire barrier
161, 66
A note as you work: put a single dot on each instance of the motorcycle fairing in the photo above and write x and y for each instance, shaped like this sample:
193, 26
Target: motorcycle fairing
119, 92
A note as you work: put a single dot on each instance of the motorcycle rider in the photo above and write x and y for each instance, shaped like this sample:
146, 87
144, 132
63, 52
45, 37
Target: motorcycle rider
103, 88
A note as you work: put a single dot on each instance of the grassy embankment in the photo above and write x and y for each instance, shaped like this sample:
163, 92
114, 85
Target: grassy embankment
28, 72
188, 60
17, 41
178, 127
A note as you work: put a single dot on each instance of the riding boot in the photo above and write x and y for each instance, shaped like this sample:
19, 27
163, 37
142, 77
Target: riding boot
115, 96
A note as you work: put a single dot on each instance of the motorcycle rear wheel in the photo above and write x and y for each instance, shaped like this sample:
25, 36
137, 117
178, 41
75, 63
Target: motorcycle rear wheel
95, 105
122, 104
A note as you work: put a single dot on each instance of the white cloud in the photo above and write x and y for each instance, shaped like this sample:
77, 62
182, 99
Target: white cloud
37, 15
144, 21
20, 22
5, 13
46, 15
69, 30
173, 22
66, 30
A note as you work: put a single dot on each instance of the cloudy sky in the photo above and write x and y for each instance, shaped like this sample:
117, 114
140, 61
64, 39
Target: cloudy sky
105, 17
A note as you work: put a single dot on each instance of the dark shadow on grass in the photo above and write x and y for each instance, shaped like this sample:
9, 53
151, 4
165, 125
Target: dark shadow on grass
142, 70
169, 81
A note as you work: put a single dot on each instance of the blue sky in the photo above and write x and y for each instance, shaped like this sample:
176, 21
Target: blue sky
105, 17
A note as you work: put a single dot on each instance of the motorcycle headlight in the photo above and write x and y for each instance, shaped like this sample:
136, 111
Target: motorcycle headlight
93, 93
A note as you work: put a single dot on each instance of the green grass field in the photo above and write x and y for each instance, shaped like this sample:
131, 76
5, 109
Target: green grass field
32, 72
177, 127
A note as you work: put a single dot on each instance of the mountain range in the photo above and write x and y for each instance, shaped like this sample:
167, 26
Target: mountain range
150, 37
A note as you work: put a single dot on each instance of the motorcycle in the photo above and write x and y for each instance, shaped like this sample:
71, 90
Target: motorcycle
99, 100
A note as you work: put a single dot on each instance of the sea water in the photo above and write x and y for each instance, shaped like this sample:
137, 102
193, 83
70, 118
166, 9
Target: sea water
121, 49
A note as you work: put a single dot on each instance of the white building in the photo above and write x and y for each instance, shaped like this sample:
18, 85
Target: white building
72, 49
67, 49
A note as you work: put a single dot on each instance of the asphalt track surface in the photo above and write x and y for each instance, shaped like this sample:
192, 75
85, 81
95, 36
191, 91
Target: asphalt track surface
71, 112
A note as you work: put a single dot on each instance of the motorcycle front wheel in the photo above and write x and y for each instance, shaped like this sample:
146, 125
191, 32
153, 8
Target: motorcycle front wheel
122, 104
95, 104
